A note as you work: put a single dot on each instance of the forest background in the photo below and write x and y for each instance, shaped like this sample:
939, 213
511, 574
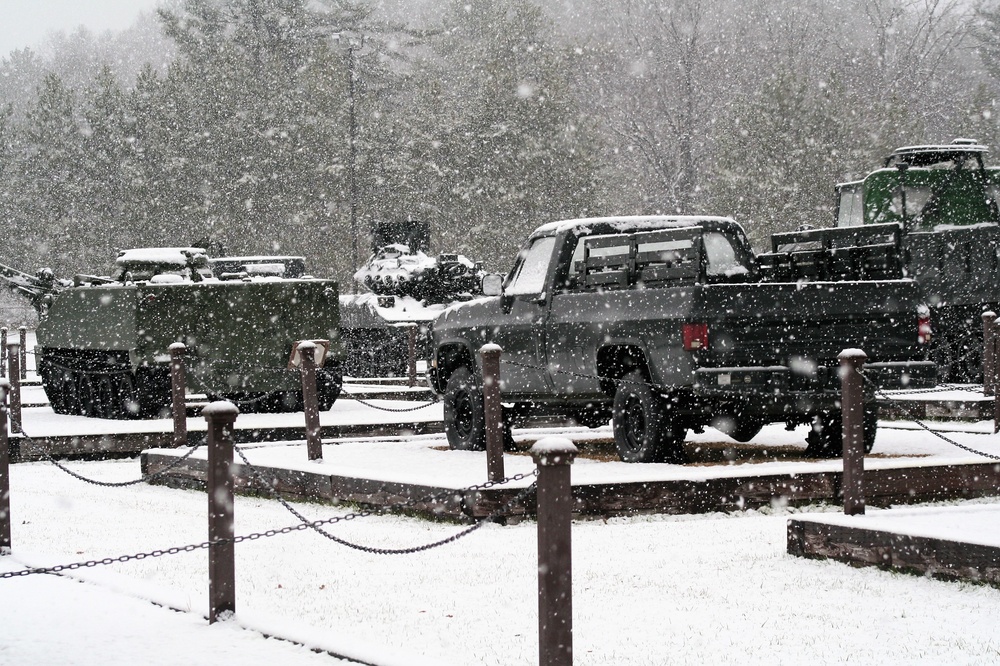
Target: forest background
289, 126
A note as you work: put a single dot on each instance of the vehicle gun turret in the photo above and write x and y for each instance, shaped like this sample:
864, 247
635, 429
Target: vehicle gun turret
39, 288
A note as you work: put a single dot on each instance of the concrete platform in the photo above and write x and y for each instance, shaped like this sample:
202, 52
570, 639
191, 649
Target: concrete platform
724, 476
927, 541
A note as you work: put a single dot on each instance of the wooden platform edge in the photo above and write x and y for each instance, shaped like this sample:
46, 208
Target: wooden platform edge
926, 556
672, 497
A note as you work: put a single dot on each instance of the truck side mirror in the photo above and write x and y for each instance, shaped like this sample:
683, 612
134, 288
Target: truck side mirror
492, 284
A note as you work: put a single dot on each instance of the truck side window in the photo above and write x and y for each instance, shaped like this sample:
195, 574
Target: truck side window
529, 275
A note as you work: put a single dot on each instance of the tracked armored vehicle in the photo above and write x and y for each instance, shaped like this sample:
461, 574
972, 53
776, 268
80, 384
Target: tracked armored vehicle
404, 288
945, 198
103, 342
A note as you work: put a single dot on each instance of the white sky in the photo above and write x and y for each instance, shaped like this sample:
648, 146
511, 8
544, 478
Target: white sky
26, 23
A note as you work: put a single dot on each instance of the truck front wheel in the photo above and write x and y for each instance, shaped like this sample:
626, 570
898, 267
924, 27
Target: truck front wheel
464, 419
643, 426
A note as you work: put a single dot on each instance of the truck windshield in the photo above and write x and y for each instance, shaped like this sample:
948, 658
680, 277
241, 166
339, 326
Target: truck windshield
529, 273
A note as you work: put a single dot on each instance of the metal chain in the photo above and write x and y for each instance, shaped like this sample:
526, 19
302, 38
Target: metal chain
403, 505
401, 410
260, 535
907, 411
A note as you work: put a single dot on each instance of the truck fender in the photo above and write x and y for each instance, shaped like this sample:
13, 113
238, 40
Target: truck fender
616, 359
448, 357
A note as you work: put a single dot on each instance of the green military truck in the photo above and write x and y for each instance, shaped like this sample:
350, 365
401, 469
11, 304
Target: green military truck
945, 197
665, 324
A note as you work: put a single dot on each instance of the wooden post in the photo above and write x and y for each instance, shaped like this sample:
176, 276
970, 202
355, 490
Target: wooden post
178, 391
5, 543
989, 353
23, 356
221, 417
14, 374
492, 411
412, 354
3, 351
995, 376
310, 400
553, 456
853, 414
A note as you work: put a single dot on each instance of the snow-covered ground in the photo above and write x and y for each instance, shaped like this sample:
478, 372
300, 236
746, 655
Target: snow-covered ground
713, 588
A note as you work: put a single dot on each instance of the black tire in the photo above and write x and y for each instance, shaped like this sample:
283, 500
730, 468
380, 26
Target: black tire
329, 382
644, 429
464, 418
86, 395
126, 397
105, 405
826, 438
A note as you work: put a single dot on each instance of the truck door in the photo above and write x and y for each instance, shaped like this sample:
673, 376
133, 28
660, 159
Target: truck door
522, 336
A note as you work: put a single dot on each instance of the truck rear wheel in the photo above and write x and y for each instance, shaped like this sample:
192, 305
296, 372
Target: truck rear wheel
643, 426
826, 438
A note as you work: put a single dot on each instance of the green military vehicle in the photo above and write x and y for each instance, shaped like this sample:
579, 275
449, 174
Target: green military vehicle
665, 324
102, 342
945, 197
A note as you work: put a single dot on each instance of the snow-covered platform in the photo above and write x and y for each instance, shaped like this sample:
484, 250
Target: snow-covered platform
949, 542
905, 466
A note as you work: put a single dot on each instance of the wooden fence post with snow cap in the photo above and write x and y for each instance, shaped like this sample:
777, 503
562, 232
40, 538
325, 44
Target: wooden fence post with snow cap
221, 417
553, 456
492, 411
178, 391
411, 346
23, 356
5, 543
989, 353
995, 375
14, 374
852, 404
310, 399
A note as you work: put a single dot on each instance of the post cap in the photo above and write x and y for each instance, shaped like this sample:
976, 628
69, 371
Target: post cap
852, 354
989, 314
177, 347
490, 348
554, 451
220, 408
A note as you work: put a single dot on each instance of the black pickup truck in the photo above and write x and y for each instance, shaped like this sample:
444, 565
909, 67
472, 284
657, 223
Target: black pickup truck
665, 324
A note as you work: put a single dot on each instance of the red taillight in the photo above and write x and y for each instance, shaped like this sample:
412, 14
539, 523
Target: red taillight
695, 337
924, 331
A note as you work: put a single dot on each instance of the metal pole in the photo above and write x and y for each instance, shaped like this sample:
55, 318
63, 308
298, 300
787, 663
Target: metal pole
412, 354
553, 456
178, 391
492, 411
989, 353
5, 543
23, 335
14, 374
221, 417
853, 410
3, 351
310, 400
